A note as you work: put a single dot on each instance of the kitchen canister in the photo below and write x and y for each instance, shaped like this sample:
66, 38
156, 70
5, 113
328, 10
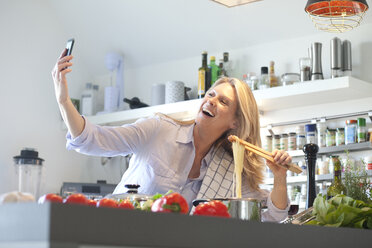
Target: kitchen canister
174, 91
157, 94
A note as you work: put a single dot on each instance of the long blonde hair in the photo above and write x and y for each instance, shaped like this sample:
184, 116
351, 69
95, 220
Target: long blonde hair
248, 129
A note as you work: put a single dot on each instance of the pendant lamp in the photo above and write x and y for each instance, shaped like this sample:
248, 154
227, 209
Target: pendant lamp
233, 3
336, 16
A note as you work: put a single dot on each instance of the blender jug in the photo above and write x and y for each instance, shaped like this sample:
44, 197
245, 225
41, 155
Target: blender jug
29, 167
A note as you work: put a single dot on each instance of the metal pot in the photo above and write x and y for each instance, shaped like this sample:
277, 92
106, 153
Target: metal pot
138, 200
239, 208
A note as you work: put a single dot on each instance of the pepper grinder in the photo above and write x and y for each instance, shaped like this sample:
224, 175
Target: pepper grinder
316, 57
310, 151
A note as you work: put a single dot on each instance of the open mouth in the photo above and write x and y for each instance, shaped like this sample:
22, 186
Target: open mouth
208, 113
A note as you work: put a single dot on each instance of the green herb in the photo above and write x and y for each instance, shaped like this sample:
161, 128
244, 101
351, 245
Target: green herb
356, 181
341, 211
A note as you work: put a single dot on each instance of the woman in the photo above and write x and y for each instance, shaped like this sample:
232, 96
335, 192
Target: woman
193, 158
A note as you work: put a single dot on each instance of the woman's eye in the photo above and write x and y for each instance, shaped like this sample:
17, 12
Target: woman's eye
224, 102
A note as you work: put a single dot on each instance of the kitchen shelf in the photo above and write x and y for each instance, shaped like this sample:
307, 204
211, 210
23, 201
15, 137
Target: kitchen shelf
303, 179
296, 95
336, 149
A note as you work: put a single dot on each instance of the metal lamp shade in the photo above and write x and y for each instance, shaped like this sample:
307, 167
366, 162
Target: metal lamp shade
336, 16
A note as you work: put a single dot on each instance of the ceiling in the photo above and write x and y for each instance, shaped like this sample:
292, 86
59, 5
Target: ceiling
155, 31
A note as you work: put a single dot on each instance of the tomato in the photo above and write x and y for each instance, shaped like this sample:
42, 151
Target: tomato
126, 204
50, 198
212, 208
173, 202
91, 202
76, 199
105, 202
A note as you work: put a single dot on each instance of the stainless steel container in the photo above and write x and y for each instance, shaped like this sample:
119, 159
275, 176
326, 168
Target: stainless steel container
346, 58
316, 70
336, 57
239, 208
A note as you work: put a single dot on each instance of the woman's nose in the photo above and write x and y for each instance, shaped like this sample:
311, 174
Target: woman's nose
212, 100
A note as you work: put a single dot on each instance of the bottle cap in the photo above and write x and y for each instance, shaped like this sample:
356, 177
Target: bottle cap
213, 58
351, 122
361, 122
264, 70
284, 135
310, 127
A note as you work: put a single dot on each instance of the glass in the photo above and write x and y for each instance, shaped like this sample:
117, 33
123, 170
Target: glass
305, 69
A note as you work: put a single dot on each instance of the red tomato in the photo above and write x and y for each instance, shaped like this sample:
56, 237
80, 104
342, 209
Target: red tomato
126, 204
173, 202
105, 202
50, 198
76, 199
212, 208
91, 202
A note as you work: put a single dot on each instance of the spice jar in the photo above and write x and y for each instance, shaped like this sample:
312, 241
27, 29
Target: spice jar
340, 136
269, 143
350, 132
276, 142
292, 142
322, 132
331, 137
284, 142
362, 134
300, 137
310, 130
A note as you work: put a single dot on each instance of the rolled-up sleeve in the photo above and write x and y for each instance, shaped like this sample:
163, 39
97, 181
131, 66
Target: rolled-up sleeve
274, 214
113, 141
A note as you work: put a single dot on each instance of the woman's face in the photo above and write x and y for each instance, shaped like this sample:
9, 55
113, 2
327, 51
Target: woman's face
218, 109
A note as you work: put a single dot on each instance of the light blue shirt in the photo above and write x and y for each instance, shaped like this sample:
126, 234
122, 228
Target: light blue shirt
163, 154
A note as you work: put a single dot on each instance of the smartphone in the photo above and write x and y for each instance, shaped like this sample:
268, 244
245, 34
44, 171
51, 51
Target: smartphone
69, 46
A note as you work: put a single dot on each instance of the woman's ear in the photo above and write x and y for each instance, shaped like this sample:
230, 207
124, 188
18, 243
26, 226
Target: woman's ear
234, 124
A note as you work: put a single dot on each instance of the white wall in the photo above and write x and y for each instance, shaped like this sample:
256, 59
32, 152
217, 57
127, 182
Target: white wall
31, 40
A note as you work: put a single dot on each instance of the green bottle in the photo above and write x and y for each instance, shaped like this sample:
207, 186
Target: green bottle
204, 76
336, 187
215, 70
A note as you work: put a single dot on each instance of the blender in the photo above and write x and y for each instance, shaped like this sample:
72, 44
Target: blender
29, 168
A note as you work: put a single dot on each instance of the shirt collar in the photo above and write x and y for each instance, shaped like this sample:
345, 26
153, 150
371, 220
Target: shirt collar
185, 134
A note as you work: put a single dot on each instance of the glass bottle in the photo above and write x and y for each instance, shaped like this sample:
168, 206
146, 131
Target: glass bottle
336, 186
227, 64
203, 76
264, 80
214, 70
362, 134
273, 80
350, 132
222, 71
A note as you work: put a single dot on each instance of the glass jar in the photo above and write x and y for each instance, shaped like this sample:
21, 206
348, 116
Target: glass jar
310, 130
292, 142
331, 137
264, 80
269, 143
300, 137
255, 81
305, 69
322, 132
290, 78
350, 132
284, 142
362, 132
340, 136
276, 142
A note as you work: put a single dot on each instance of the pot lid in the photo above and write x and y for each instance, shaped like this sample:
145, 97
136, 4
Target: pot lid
28, 156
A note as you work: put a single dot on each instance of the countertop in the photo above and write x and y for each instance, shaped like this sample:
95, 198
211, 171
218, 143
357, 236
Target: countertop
58, 225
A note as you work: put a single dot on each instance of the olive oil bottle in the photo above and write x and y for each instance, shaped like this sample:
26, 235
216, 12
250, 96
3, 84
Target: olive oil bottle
336, 187
204, 77
215, 70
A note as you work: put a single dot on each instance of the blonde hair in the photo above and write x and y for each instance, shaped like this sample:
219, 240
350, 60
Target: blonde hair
248, 129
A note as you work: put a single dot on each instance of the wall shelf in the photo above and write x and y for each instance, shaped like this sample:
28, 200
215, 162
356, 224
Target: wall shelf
301, 94
303, 179
336, 149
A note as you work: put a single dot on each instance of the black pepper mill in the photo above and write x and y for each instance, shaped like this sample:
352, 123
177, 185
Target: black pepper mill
310, 151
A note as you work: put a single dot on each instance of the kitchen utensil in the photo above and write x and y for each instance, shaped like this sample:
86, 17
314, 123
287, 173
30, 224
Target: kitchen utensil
239, 208
29, 169
135, 102
346, 58
316, 51
300, 218
157, 94
174, 91
310, 151
336, 57
132, 195
305, 69
265, 154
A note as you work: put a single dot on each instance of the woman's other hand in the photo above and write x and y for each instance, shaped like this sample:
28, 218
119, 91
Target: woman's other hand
59, 72
281, 158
